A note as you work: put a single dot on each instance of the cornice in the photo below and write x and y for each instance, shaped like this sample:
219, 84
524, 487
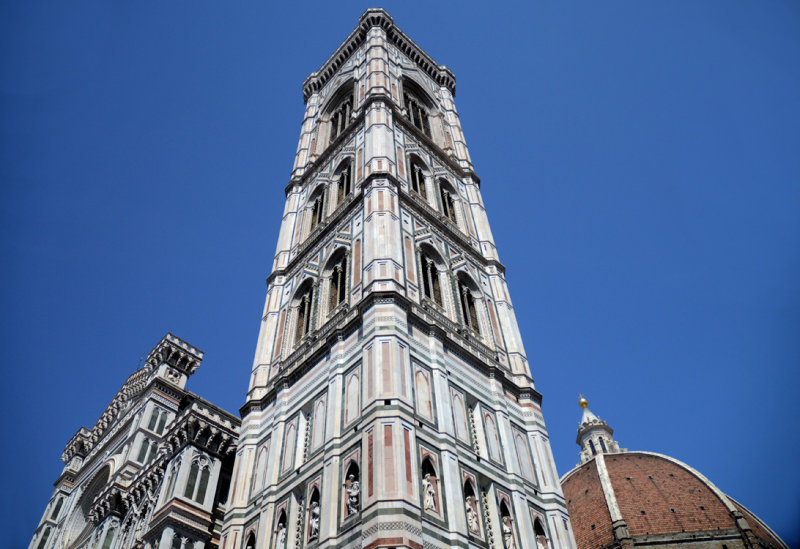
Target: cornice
318, 343
377, 17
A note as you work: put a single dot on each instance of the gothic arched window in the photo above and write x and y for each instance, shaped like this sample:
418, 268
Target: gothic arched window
197, 490
315, 207
45, 537
431, 285
416, 173
416, 107
469, 311
57, 508
341, 114
302, 303
472, 509
446, 194
344, 181
538, 532
337, 280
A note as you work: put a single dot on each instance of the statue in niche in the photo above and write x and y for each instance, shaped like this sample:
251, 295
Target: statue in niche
429, 502
508, 534
280, 539
353, 491
472, 516
313, 521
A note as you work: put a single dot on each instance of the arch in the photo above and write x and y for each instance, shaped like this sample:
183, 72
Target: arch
44, 538
261, 471
461, 420
423, 388
449, 198
472, 508
57, 508
315, 206
417, 172
339, 109
468, 290
430, 486
538, 532
351, 397
302, 303
507, 525
431, 264
335, 273
251, 541
343, 177
173, 476
417, 104
281, 530
352, 489
314, 512
289, 447
79, 524
319, 423
524, 456
492, 440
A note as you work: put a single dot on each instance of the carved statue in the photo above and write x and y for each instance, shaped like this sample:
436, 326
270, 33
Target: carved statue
472, 516
313, 531
508, 534
430, 493
353, 491
280, 539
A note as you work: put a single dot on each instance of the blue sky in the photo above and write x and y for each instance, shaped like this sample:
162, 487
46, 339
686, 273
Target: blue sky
639, 162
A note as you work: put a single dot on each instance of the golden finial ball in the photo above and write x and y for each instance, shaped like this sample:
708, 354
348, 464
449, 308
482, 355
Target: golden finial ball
582, 402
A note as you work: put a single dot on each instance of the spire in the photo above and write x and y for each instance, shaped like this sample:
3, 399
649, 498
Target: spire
594, 434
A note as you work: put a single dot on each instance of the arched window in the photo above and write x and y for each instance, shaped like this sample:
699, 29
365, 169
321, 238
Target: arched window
261, 471
176, 541
43, 540
110, 532
173, 476
57, 508
146, 450
158, 420
467, 300
431, 285
591, 445
416, 107
344, 181
251, 541
315, 207
197, 490
302, 303
603, 445
340, 117
446, 195
416, 173
280, 531
337, 279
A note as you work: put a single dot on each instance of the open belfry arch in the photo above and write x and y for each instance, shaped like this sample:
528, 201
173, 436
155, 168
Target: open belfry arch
391, 402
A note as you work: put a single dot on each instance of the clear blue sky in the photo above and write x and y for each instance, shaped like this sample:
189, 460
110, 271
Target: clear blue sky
640, 165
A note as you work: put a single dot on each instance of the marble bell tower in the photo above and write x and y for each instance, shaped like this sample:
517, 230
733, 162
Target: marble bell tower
391, 403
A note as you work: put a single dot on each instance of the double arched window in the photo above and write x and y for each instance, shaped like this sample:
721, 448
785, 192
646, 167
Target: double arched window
447, 196
198, 481
416, 173
343, 177
336, 274
316, 203
416, 105
303, 301
340, 116
431, 284
466, 299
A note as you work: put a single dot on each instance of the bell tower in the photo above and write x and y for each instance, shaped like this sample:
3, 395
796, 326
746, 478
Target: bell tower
391, 402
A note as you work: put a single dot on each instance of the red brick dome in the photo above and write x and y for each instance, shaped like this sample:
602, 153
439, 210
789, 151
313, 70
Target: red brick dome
653, 498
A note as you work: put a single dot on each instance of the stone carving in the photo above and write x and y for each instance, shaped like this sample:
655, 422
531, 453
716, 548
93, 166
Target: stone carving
353, 491
173, 375
429, 501
313, 521
280, 537
508, 534
472, 516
